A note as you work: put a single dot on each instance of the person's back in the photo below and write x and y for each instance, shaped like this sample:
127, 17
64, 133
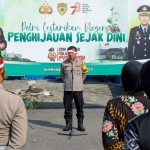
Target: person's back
13, 118
137, 131
123, 108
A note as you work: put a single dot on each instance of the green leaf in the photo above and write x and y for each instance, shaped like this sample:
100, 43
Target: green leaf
35, 103
131, 99
105, 121
111, 133
112, 9
138, 113
116, 13
142, 112
109, 20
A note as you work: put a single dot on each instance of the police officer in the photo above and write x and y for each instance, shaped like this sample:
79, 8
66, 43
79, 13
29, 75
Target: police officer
51, 54
13, 118
139, 39
79, 74
3, 43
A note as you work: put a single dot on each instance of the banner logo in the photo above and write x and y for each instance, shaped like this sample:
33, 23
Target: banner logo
45, 9
62, 8
76, 8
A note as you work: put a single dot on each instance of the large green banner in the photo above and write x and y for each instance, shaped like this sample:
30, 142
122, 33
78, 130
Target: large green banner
107, 33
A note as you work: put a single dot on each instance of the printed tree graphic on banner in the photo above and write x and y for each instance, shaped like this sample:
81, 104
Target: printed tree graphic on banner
112, 27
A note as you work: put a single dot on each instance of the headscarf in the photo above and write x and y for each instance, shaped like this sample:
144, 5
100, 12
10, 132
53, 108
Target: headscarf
130, 76
145, 77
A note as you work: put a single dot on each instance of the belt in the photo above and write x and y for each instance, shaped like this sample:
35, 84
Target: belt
3, 147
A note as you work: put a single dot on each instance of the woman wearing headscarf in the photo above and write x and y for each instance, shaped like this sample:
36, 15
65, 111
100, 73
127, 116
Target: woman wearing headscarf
122, 109
137, 131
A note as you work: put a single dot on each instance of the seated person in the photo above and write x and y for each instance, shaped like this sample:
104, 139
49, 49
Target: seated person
120, 110
137, 131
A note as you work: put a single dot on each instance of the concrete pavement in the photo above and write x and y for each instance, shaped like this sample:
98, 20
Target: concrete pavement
47, 120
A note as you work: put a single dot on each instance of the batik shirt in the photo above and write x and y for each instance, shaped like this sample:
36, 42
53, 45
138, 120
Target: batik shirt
119, 111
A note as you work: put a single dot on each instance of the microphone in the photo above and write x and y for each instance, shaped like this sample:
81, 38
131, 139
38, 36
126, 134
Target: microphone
71, 60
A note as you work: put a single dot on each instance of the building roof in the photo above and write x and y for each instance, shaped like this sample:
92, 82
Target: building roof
112, 51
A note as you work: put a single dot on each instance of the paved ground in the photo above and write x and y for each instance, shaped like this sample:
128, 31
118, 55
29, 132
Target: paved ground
44, 126
47, 121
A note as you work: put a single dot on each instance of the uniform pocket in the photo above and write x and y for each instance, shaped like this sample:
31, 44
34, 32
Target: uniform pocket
78, 70
66, 70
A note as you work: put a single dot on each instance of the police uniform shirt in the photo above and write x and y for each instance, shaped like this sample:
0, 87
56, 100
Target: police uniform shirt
13, 120
78, 75
140, 43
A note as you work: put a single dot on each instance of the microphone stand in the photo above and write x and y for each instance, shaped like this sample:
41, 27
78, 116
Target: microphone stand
72, 132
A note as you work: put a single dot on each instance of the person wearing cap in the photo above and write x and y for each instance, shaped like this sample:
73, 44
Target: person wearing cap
13, 118
137, 131
79, 74
3, 43
139, 38
51, 54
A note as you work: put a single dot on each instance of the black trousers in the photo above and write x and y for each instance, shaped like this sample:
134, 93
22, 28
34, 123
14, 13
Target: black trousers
78, 98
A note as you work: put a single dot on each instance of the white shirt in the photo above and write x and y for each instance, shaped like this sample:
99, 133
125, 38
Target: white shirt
144, 28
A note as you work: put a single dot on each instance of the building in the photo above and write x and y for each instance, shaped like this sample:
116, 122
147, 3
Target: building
112, 54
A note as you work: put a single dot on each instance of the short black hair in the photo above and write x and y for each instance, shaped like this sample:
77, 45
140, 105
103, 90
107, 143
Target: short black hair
71, 47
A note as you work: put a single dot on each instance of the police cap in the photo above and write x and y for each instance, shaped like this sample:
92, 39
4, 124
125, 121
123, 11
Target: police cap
144, 9
51, 49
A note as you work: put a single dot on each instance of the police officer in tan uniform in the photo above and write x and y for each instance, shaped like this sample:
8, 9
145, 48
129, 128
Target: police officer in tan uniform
139, 39
79, 74
13, 118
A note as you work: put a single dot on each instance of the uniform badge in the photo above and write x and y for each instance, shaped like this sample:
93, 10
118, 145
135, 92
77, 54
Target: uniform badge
138, 42
67, 70
66, 65
78, 70
144, 8
137, 32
